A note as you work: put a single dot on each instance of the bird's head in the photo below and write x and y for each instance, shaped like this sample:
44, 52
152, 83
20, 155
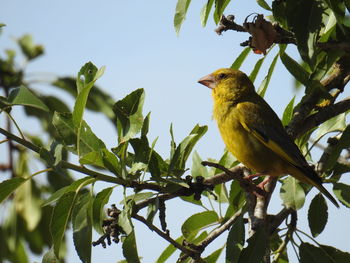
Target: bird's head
228, 84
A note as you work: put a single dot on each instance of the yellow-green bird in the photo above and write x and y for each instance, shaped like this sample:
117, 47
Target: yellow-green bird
253, 132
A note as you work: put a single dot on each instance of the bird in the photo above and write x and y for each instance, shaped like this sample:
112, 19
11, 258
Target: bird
253, 132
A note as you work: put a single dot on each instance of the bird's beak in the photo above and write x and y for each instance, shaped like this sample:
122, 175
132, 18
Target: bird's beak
208, 81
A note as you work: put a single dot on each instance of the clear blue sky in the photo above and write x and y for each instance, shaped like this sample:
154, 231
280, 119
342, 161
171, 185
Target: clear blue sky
137, 43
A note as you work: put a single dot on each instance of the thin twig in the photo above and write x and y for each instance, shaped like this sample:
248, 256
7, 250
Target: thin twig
164, 235
218, 231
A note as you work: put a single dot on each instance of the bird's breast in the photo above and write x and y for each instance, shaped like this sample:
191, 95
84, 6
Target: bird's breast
245, 146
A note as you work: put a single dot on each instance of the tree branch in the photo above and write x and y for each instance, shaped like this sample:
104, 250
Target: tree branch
190, 252
218, 231
323, 115
336, 80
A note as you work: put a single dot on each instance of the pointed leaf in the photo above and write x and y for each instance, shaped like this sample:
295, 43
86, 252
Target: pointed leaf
100, 200
292, 193
78, 184
220, 6
343, 143
129, 114
197, 168
264, 5
60, 218
29, 49
342, 192
86, 79
169, 251
196, 222
68, 134
183, 150
10, 185
288, 112
23, 96
206, 11
235, 240
325, 254
213, 257
240, 59
295, 69
180, 13
256, 249
256, 69
336, 123
265, 83
130, 249
82, 227
317, 215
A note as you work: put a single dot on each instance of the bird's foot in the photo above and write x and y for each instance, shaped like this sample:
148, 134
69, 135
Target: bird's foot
257, 190
251, 176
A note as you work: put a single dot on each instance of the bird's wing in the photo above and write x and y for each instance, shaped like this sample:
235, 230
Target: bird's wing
269, 131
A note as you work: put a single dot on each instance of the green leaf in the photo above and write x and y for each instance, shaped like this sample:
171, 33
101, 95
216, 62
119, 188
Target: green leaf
29, 49
183, 150
60, 218
197, 168
86, 79
256, 69
235, 240
324, 254
100, 200
68, 134
50, 257
23, 96
288, 112
205, 12
82, 227
240, 59
265, 83
130, 249
98, 100
336, 123
180, 14
338, 8
306, 23
213, 257
317, 215
236, 196
104, 159
220, 6
196, 222
295, 69
145, 125
292, 193
256, 248
264, 5
124, 221
74, 187
342, 192
10, 185
140, 196
169, 251
329, 28
343, 143
152, 210
129, 114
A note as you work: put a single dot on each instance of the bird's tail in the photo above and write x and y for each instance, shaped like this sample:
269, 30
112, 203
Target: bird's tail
308, 175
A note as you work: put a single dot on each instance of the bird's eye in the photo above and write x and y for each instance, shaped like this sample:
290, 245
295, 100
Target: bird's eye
222, 76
